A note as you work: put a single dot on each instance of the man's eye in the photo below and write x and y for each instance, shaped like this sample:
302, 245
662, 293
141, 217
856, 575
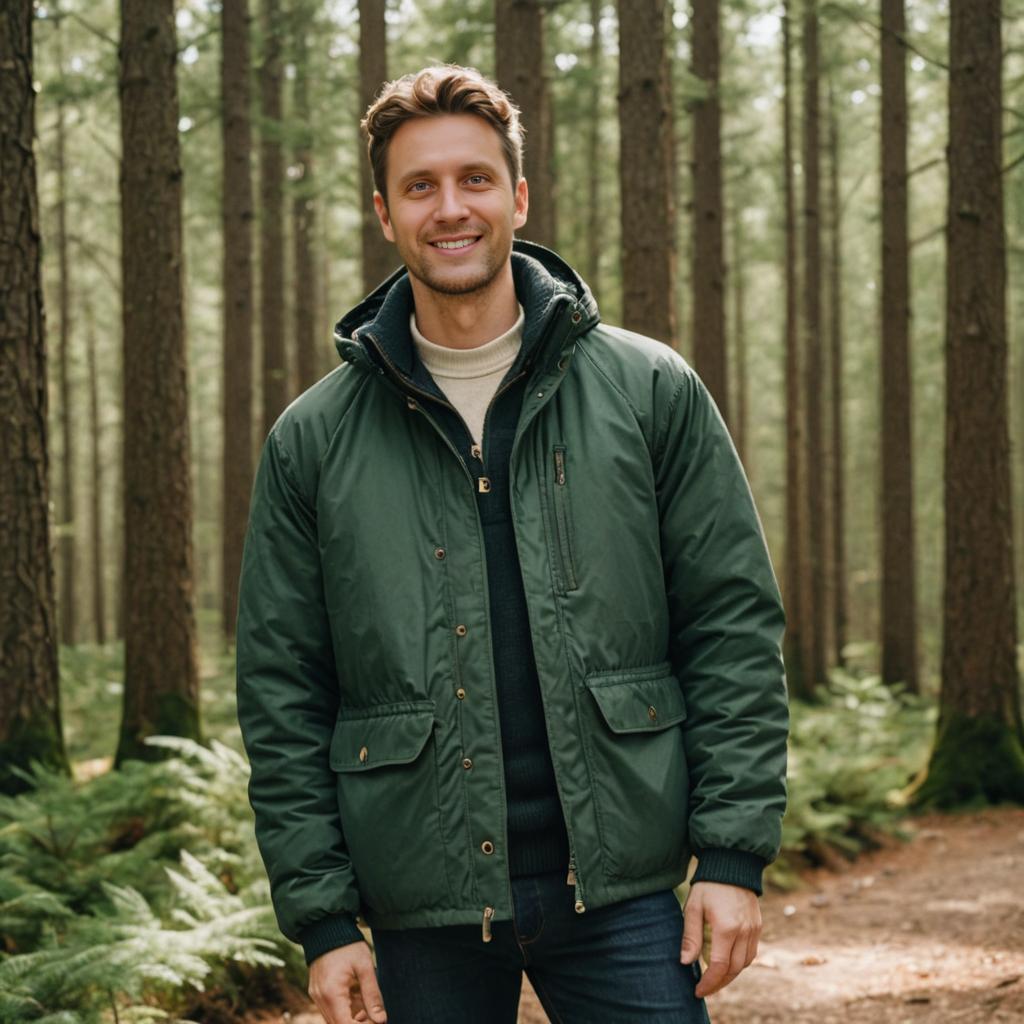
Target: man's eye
477, 179
418, 186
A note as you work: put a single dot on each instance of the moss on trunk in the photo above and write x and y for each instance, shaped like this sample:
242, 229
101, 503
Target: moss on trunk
974, 761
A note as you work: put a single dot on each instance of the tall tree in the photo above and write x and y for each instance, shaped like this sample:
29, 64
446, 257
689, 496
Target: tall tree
304, 214
272, 305
98, 567
379, 257
797, 670
161, 693
647, 208
522, 71
595, 206
899, 592
708, 274
816, 607
237, 207
836, 390
30, 726
979, 743
740, 426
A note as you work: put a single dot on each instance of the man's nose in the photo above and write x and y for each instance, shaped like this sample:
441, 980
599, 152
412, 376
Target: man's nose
451, 204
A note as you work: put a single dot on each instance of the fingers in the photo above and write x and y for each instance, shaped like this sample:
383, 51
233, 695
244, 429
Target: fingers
343, 984
693, 931
369, 991
731, 951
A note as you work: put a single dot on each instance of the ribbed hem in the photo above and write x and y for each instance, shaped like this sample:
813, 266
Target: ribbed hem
733, 867
329, 933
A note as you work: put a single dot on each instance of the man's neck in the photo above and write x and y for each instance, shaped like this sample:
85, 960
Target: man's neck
467, 321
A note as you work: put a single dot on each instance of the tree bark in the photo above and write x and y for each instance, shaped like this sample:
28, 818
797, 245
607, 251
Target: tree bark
595, 208
814, 381
797, 670
899, 592
741, 410
272, 304
646, 175
521, 65
708, 273
835, 265
161, 692
30, 725
979, 745
304, 220
379, 255
99, 603
237, 465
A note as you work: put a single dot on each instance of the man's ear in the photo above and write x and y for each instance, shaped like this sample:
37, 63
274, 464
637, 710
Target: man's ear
522, 201
380, 206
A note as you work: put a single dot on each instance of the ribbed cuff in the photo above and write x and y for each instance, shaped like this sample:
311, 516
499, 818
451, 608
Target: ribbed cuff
329, 933
733, 867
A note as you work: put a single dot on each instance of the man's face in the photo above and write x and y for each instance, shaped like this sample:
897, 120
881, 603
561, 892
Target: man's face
452, 208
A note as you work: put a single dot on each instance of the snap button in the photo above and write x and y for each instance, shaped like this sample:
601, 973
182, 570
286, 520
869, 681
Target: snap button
467, 763
476, 452
540, 394
579, 907
563, 362
411, 403
460, 693
439, 553
652, 714
577, 317
487, 846
483, 484
363, 755
460, 630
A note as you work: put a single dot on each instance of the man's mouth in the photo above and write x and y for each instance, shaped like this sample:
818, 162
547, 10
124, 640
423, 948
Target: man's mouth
459, 243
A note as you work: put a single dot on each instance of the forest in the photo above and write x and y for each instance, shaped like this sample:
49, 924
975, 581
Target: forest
818, 203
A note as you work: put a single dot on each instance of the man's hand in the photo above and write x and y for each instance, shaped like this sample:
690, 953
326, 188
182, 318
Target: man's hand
735, 919
344, 987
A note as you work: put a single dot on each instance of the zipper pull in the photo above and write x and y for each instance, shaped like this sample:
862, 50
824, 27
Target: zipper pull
570, 878
560, 467
488, 914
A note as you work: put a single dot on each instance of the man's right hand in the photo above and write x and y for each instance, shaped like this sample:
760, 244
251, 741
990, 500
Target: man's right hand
344, 987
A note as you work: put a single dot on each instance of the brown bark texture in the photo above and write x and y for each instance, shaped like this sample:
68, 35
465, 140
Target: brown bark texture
379, 255
521, 65
161, 680
238, 216
814, 378
646, 172
272, 305
899, 592
741, 406
707, 277
796, 539
979, 670
836, 392
99, 603
304, 221
30, 726
595, 210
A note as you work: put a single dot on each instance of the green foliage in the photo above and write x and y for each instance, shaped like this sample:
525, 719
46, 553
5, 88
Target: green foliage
850, 756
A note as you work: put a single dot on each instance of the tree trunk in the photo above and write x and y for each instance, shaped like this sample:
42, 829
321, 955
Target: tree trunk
647, 206
741, 411
304, 221
237, 208
979, 744
595, 209
797, 670
161, 692
708, 273
899, 593
99, 603
838, 532
379, 255
522, 71
66, 610
30, 726
272, 304
814, 381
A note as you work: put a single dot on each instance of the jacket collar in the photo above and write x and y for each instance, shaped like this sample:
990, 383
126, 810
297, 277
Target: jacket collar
545, 285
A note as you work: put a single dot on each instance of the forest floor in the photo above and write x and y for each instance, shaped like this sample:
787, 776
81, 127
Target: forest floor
927, 930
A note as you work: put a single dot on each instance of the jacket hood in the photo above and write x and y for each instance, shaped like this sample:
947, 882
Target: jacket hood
544, 284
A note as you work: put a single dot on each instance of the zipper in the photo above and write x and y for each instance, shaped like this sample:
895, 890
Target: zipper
563, 522
572, 879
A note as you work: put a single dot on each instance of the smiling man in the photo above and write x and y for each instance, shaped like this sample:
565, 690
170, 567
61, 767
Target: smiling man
508, 638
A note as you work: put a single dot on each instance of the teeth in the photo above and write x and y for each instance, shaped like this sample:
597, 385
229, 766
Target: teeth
461, 244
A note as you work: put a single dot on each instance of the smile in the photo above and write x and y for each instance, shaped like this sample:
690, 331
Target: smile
462, 243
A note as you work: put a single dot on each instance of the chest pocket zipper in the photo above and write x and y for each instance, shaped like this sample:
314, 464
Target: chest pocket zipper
564, 523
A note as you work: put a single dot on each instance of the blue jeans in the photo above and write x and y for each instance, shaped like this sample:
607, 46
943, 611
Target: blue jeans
615, 965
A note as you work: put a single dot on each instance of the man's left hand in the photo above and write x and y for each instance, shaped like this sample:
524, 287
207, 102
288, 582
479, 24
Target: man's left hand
734, 916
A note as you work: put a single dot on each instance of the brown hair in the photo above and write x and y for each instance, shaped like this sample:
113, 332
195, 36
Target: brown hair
440, 89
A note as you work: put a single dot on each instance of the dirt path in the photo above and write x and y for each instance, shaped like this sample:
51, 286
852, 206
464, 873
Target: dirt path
927, 931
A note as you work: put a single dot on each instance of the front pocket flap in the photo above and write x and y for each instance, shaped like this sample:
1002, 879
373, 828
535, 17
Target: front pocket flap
374, 737
638, 700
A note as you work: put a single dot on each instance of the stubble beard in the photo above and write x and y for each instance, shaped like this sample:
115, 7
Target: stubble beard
473, 282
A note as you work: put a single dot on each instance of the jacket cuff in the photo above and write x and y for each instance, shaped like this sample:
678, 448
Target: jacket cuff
329, 933
732, 867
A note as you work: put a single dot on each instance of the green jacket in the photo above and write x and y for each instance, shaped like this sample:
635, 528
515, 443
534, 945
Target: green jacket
364, 669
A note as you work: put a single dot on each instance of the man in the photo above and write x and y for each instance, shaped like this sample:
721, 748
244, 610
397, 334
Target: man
508, 639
